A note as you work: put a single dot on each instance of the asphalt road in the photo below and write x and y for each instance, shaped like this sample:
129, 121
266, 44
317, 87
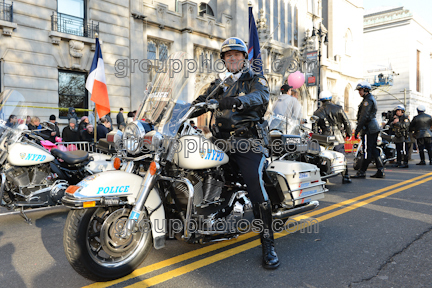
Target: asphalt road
371, 233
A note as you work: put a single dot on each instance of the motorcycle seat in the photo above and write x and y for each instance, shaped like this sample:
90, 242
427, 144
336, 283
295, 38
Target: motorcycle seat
71, 157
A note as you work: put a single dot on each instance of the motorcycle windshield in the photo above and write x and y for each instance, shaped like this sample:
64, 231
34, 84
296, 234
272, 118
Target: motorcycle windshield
284, 114
13, 110
170, 95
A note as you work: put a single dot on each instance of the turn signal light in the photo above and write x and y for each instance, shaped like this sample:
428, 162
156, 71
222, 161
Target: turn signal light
72, 189
153, 168
89, 204
117, 163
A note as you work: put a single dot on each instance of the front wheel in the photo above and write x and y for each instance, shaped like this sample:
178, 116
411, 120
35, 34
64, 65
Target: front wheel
94, 249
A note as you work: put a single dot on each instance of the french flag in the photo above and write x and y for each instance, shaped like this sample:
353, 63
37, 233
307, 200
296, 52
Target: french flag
96, 83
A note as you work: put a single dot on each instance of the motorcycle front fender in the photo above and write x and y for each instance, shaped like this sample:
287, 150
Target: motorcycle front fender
108, 185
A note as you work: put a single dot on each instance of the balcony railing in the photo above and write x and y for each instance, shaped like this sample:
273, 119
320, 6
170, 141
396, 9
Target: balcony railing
6, 11
73, 25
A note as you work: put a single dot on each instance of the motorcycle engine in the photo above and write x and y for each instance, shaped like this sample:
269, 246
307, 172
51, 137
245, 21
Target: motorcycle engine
28, 179
207, 188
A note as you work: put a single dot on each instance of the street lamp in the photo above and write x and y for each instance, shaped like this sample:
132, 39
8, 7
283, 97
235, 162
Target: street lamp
320, 34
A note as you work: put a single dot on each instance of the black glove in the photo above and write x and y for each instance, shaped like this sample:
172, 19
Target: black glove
228, 103
200, 99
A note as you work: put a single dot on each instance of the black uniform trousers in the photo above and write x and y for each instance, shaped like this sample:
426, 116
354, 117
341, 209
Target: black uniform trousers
424, 143
251, 166
402, 150
370, 151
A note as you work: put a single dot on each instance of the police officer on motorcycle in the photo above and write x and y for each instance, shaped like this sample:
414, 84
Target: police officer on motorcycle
241, 108
332, 119
400, 125
368, 128
421, 126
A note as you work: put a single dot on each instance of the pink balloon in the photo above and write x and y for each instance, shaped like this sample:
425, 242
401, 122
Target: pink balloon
62, 147
296, 80
72, 147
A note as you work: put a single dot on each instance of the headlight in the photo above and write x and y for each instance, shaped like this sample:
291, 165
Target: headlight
132, 137
153, 140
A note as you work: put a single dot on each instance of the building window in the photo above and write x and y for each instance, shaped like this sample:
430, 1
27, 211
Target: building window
72, 92
275, 20
296, 27
313, 7
283, 21
204, 8
6, 11
157, 52
71, 18
418, 72
290, 22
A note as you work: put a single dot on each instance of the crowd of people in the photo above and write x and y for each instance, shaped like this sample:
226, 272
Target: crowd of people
78, 129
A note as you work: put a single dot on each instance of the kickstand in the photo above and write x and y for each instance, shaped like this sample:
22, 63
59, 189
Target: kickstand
27, 220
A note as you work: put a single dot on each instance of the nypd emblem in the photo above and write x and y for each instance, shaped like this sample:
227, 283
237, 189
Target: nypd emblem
202, 153
366, 104
22, 155
263, 82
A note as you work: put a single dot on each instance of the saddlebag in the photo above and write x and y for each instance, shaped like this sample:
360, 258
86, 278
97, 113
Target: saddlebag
299, 182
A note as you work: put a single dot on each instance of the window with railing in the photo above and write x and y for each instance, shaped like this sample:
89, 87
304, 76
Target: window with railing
6, 11
71, 18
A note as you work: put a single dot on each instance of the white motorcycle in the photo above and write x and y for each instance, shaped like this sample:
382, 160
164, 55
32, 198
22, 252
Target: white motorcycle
32, 176
189, 190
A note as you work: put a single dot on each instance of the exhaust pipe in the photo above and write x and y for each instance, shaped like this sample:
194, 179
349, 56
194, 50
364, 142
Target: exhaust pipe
291, 212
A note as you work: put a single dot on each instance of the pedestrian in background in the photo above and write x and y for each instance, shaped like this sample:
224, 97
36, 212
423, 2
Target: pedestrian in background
56, 132
120, 118
70, 133
421, 127
87, 134
102, 128
83, 123
72, 114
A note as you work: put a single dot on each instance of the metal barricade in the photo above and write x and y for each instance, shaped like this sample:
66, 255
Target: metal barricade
82, 145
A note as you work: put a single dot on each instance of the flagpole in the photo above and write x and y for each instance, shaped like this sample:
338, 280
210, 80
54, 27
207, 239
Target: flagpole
95, 128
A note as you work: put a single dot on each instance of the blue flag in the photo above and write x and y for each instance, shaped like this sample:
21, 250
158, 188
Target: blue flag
254, 50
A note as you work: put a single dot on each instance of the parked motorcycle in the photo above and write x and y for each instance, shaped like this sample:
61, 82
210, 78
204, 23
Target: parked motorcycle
32, 176
386, 149
308, 146
189, 190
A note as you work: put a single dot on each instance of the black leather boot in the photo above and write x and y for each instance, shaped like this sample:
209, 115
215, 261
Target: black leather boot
405, 163
345, 177
380, 166
359, 174
421, 163
269, 257
398, 164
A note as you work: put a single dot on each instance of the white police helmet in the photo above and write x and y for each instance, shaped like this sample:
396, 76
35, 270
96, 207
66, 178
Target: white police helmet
421, 108
400, 107
325, 95
363, 85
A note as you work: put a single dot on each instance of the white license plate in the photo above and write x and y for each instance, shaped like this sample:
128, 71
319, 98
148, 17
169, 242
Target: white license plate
304, 175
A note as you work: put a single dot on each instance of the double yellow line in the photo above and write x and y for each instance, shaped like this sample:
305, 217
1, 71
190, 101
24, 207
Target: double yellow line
348, 205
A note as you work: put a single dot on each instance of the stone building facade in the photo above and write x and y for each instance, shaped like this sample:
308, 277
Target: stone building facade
401, 42
47, 47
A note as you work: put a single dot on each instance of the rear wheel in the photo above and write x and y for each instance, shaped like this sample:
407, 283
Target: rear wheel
94, 248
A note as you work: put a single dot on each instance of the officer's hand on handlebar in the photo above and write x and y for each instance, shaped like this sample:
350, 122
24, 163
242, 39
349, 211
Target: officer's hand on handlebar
229, 103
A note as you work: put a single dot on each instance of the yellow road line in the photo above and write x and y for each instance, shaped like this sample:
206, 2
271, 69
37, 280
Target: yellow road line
236, 250
213, 247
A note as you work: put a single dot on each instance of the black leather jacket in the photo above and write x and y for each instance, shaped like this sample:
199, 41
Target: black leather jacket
331, 120
253, 92
421, 126
366, 116
400, 129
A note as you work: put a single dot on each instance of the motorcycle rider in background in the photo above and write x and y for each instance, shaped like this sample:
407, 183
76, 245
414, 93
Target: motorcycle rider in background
421, 126
368, 128
333, 121
400, 125
241, 107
